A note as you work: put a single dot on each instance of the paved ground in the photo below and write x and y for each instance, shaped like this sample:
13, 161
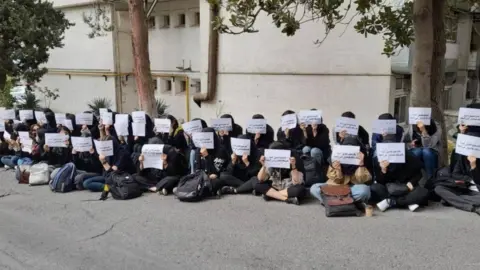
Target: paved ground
43, 230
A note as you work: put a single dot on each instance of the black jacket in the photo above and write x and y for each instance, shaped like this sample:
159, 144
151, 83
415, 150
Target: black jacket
321, 141
265, 139
463, 171
295, 139
213, 163
87, 162
410, 171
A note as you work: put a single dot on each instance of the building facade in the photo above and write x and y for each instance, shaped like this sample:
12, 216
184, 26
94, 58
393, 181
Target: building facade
264, 73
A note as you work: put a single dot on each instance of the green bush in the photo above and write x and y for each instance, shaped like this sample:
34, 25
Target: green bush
162, 107
6, 100
98, 103
30, 101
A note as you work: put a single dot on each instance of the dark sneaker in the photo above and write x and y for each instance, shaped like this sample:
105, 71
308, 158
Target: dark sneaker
228, 190
266, 198
293, 200
255, 193
218, 194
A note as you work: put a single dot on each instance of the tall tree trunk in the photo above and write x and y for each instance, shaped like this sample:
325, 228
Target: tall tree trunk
438, 74
143, 75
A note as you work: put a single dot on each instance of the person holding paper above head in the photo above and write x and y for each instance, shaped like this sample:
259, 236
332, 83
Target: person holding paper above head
356, 176
465, 124
384, 136
397, 184
176, 136
242, 170
283, 184
10, 161
86, 162
59, 156
317, 142
51, 125
139, 141
362, 132
262, 141
237, 130
225, 135
424, 141
292, 137
191, 146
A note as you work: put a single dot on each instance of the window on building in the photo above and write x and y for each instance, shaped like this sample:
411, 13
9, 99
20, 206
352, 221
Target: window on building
197, 18
151, 23
165, 21
166, 86
198, 86
402, 92
181, 20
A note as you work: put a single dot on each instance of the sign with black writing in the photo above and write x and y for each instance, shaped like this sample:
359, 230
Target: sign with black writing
203, 139
391, 152
82, 144
384, 126
469, 117
104, 148
25, 115
346, 154
162, 125
310, 117
56, 140
223, 124
152, 156
139, 117
192, 127
255, 126
289, 121
349, 125
468, 145
418, 114
277, 158
84, 119
40, 116
240, 146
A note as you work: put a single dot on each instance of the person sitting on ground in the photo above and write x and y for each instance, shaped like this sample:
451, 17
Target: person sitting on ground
87, 163
262, 141
10, 161
355, 176
397, 185
281, 184
192, 155
59, 156
175, 137
379, 138
362, 135
317, 142
241, 173
424, 142
293, 138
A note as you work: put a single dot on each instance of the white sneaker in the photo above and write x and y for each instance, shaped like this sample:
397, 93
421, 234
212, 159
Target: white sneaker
6, 167
413, 207
164, 192
383, 205
174, 190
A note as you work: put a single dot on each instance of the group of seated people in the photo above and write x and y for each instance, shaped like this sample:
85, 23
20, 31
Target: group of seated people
372, 181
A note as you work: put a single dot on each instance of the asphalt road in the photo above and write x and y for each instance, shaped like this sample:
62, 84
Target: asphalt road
43, 230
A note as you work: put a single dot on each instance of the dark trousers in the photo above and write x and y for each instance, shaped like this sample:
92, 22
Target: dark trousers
292, 191
463, 200
168, 183
418, 195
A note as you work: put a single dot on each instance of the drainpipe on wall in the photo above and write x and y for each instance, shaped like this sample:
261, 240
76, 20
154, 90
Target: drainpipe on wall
212, 61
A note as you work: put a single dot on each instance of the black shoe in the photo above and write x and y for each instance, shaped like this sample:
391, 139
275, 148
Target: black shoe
293, 200
476, 210
218, 194
228, 190
445, 203
266, 198
255, 193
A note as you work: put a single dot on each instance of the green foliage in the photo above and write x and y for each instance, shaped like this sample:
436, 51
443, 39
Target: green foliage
28, 30
370, 17
49, 95
6, 99
162, 107
98, 20
29, 101
98, 103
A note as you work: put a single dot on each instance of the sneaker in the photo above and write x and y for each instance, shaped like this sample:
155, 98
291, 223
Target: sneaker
152, 189
6, 167
219, 194
174, 190
255, 193
266, 198
228, 190
384, 205
413, 207
293, 200
164, 192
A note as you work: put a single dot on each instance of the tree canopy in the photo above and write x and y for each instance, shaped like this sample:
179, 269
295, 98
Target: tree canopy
28, 30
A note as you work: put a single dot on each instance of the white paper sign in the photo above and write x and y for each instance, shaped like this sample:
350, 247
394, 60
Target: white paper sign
222, 124
2, 126
469, 117
121, 128
26, 115
27, 145
138, 129
68, 124
102, 110
277, 158
417, 114
350, 125
55, 140
387, 126
468, 145
106, 118
8, 114
240, 146
60, 118
162, 125
346, 154
122, 118
40, 116
255, 126
203, 139
152, 156
104, 148
84, 119
23, 135
82, 144
15, 121
310, 117
192, 127
7, 136
391, 152
139, 117
289, 121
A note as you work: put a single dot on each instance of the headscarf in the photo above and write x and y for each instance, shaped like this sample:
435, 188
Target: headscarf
216, 141
348, 169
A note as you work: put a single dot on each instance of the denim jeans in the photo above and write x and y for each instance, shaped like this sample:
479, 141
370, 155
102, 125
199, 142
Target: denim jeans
429, 158
315, 153
10, 161
360, 193
95, 183
192, 160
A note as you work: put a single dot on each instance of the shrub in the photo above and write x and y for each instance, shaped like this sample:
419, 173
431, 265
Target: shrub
98, 103
161, 107
29, 101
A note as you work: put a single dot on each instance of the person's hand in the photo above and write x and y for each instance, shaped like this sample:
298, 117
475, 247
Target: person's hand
101, 158
413, 143
473, 162
203, 152
421, 126
303, 127
141, 158
262, 160
409, 186
257, 136
91, 151
361, 159
101, 126
384, 165
245, 160
115, 168
342, 134
221, 133
463, 128
18, 140
74, 152
84, 127
314, 126
212, 176
164, 157
67, 142
287, 132
336, 165
46, 148
135, 138
234, 158
384, 134
293, 163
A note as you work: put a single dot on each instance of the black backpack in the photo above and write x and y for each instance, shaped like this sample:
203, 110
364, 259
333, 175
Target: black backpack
123, 186
193, 187
63, 181
338, 201
313, 171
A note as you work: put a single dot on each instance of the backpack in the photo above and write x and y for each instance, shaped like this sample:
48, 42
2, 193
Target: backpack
123, 186
63, 181
193, 187
338, 201
22, 174
443, 177
39, 174
313, 171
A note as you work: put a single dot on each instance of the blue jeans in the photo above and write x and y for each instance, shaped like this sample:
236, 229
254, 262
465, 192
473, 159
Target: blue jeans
95, 183
192, 160
429, 158
315, 153
360, 193
10, 161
